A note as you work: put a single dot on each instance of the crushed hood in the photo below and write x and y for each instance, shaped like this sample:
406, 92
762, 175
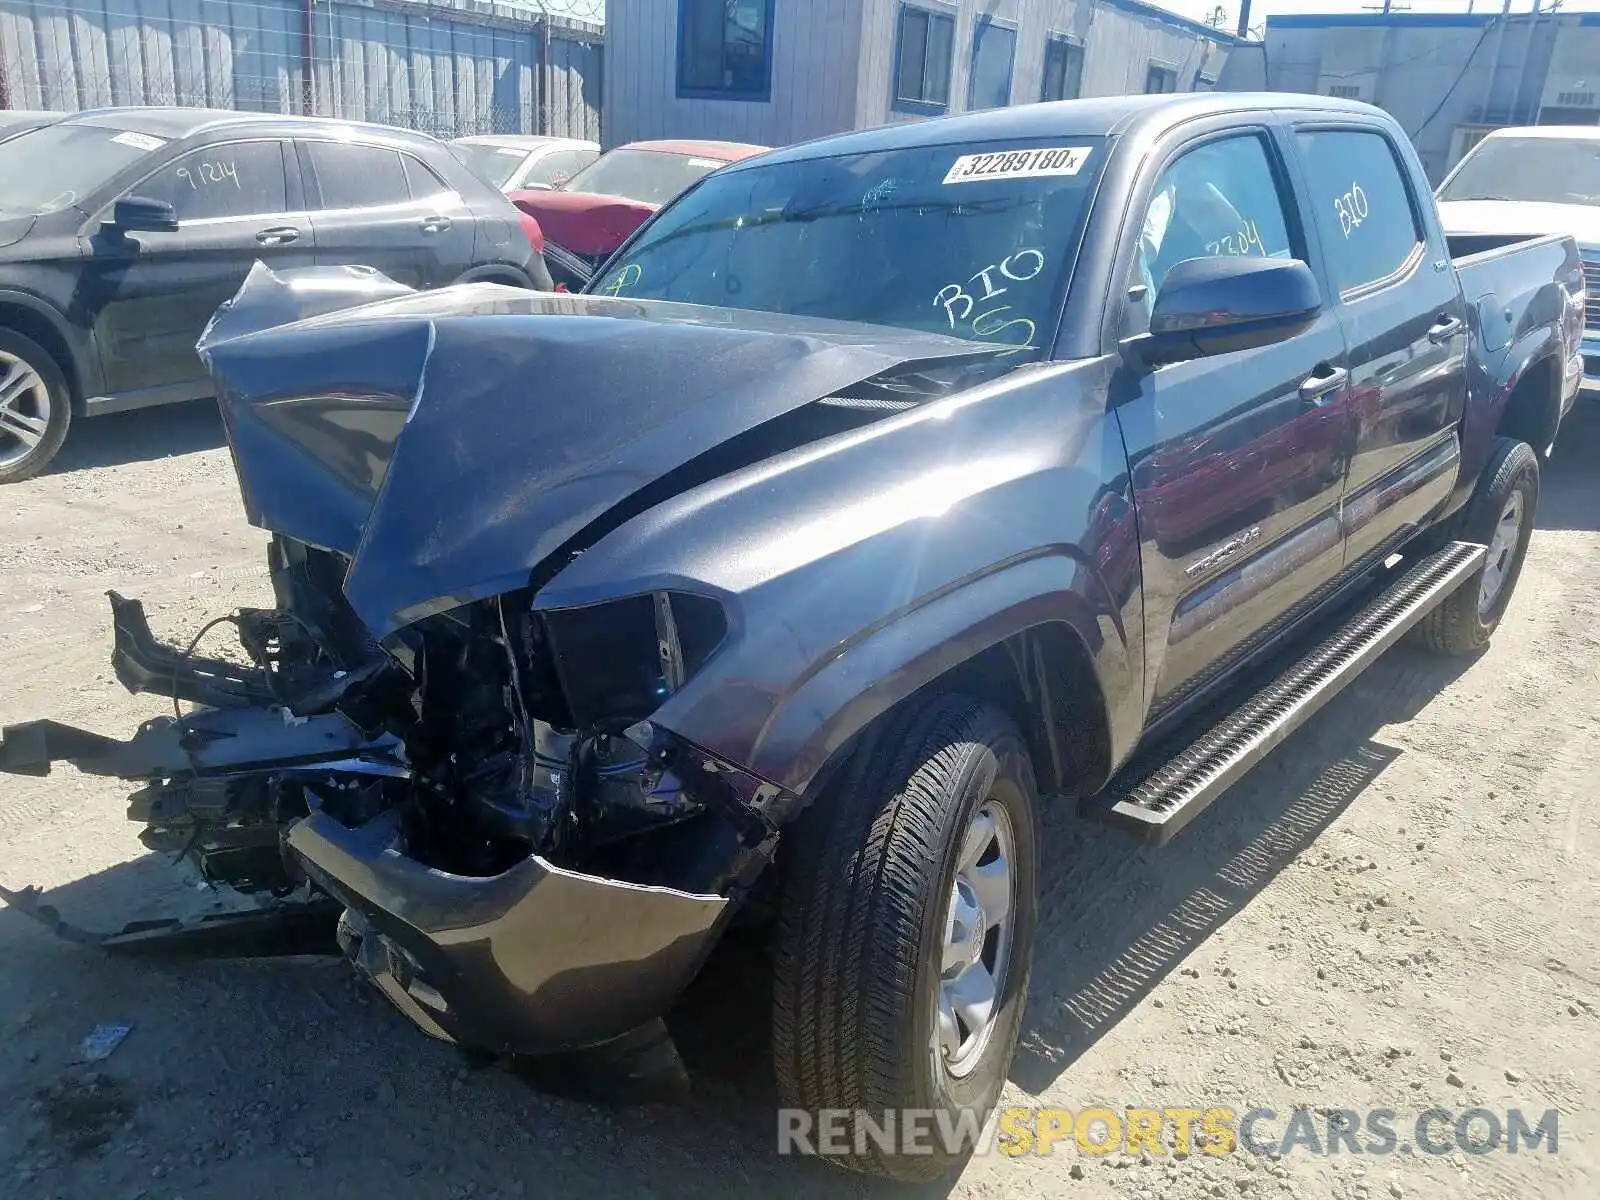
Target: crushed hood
450, 442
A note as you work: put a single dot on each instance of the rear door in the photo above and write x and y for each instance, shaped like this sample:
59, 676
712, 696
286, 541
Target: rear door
1238, 460
380, 207
150, 295
1404, 318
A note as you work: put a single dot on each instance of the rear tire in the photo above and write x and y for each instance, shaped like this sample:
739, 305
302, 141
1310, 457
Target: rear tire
35, 407
1500, 516
894, 873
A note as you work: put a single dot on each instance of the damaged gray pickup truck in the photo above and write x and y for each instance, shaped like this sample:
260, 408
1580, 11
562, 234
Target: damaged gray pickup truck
880, 487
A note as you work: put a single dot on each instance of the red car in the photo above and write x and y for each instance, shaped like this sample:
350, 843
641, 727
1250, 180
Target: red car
585, 221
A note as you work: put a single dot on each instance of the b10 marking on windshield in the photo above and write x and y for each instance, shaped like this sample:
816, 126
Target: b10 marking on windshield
1352, 209
1018, 164
989, 324
626, 278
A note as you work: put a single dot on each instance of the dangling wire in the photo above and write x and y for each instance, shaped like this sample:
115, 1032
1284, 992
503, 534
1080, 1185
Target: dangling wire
183, 659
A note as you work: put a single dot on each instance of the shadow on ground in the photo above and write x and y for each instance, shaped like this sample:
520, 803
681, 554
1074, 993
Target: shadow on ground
1570, 494
139, 436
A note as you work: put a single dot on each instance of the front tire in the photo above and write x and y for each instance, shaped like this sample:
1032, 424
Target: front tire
905, 934
1500, 516
35, 407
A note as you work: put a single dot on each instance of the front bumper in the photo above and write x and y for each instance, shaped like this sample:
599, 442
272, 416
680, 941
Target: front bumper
537, 960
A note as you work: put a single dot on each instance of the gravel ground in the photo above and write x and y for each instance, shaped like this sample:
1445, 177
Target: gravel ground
1394, 912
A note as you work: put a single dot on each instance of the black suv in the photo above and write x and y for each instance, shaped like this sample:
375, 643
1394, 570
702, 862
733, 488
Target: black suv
122, 230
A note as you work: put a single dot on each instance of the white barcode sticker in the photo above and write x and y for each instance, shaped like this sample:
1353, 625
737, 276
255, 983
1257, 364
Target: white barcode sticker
139, 141
1018, 164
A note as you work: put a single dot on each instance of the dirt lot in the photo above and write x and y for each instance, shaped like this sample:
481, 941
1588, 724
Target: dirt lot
1397, 911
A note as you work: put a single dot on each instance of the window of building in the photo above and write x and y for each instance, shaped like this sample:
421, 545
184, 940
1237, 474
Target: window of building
1361, 204
353, 176
243, 179
994, 51
1159, 79
922, 59
1063, 69
725, 49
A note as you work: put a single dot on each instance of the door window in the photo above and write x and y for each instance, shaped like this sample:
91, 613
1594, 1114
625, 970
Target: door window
236, 180
1221, 198
1362, 204
352, 176
423, 181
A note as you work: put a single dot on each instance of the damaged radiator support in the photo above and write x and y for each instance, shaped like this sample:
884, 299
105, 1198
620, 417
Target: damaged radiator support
449, 756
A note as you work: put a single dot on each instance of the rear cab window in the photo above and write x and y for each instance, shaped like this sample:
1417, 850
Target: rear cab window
973, 240
1362, 204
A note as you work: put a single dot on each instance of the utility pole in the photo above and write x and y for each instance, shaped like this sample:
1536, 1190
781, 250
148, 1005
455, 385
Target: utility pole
1244, 18
308, 57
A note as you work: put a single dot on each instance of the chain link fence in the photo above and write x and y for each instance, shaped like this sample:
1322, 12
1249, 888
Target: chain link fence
446, 67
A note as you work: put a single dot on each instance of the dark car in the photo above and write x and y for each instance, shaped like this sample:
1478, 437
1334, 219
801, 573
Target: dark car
121, 231
597, 210
880, 493
17, 121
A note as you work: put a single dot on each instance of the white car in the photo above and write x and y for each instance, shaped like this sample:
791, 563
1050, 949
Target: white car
1534, 180
513, 161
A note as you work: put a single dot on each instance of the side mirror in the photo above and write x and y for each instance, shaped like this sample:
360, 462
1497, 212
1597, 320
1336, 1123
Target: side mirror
1218, 305
139, 214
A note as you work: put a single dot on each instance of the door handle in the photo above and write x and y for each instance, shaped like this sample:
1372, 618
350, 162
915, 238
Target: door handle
278, 235
434, 224
1326, 378
1445, 328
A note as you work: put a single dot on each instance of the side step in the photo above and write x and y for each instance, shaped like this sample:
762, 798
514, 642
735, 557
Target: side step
1158, 798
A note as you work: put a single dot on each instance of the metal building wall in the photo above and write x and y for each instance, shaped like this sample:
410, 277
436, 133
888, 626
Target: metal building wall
1441, 75
446, 66
814, 48
833, 62
1121, 39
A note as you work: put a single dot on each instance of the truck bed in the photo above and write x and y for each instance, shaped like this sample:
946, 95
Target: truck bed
1515, 283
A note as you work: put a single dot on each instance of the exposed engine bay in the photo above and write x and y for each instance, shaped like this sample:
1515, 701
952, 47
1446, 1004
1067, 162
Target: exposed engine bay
501, 768
462, 730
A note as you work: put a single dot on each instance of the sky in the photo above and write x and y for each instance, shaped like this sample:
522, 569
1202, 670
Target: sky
1199, 10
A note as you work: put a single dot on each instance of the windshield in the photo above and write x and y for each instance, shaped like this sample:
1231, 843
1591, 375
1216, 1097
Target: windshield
497, 164
974, 240
647, 176
48, 169
1546, 170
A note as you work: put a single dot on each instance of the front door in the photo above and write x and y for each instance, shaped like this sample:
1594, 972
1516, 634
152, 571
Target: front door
149, 295
379, 207
1238, 460
1405, 325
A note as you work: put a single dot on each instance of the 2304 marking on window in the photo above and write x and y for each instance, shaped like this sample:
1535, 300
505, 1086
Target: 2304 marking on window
1246, 241
991, 323
1351, 209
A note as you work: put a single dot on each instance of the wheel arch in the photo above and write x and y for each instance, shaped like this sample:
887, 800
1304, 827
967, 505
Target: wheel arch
1532, 411
1041, 655
40, 322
